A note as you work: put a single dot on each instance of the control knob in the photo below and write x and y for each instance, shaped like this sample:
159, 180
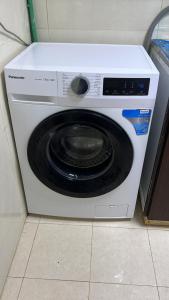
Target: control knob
80, 85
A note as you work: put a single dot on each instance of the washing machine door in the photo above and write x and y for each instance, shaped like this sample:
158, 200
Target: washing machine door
80, 153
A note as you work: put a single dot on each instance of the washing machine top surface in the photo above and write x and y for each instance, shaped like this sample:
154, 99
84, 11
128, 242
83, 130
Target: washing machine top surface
89, 57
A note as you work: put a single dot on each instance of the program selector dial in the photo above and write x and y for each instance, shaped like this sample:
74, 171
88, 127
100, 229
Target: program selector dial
80, 85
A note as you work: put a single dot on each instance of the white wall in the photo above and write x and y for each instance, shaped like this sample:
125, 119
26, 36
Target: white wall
97, 21
12, 206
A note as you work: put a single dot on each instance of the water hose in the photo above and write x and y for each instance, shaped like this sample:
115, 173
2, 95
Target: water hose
32, 21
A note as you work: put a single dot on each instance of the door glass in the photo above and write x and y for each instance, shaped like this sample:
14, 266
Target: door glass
82, 142
81, 146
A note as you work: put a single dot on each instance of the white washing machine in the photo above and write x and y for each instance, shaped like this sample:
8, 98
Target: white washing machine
81, 115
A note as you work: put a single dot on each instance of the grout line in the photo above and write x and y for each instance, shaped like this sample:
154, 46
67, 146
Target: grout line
153, 264
119, 227
31, 222
91, 259
10, 276
125, 284
86, 281
20, 289
89, 291
54, 279
20, 277
146, 227
28, 259
31, 249
69, 224
90, 223
47, 14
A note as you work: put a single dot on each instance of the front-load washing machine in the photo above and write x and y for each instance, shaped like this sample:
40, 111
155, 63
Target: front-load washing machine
81, 115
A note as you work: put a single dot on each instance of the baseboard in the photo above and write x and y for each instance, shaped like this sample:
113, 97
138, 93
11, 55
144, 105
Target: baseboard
155, 222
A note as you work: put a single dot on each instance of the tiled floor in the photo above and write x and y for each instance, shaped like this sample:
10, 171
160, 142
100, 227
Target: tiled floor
84, 260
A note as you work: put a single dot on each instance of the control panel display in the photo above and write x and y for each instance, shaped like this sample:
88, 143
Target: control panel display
126, 86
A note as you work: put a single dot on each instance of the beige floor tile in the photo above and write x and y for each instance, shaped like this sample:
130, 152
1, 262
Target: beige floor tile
121, 255
21, 257
159, 241
136, 222
164, 293
32, 219
38, 289
61, 252
11, 289
99, 291
53, 220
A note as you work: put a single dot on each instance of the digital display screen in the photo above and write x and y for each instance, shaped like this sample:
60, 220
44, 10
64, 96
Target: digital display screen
115, 83
126, 86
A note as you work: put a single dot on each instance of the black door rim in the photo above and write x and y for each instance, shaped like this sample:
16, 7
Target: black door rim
71, 179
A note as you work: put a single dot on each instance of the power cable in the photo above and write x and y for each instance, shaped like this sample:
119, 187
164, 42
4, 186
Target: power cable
15, 35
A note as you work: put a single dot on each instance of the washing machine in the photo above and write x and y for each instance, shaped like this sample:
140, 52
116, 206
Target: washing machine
81, 115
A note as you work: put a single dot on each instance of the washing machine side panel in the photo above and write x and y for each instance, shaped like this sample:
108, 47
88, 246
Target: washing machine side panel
42, 200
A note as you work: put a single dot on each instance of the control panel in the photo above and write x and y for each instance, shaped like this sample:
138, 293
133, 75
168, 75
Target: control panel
93, 85
80, 84
126, 86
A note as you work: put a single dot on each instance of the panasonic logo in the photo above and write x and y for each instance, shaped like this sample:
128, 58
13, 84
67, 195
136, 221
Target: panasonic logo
16, 77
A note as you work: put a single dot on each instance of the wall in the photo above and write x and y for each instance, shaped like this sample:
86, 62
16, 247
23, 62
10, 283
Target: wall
98, 21
12, 206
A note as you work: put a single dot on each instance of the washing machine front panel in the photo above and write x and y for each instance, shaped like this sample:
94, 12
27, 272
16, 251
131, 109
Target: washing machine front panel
80, 153
41, 199
107, 151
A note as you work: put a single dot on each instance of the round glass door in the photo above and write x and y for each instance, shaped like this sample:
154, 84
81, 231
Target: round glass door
80, 153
